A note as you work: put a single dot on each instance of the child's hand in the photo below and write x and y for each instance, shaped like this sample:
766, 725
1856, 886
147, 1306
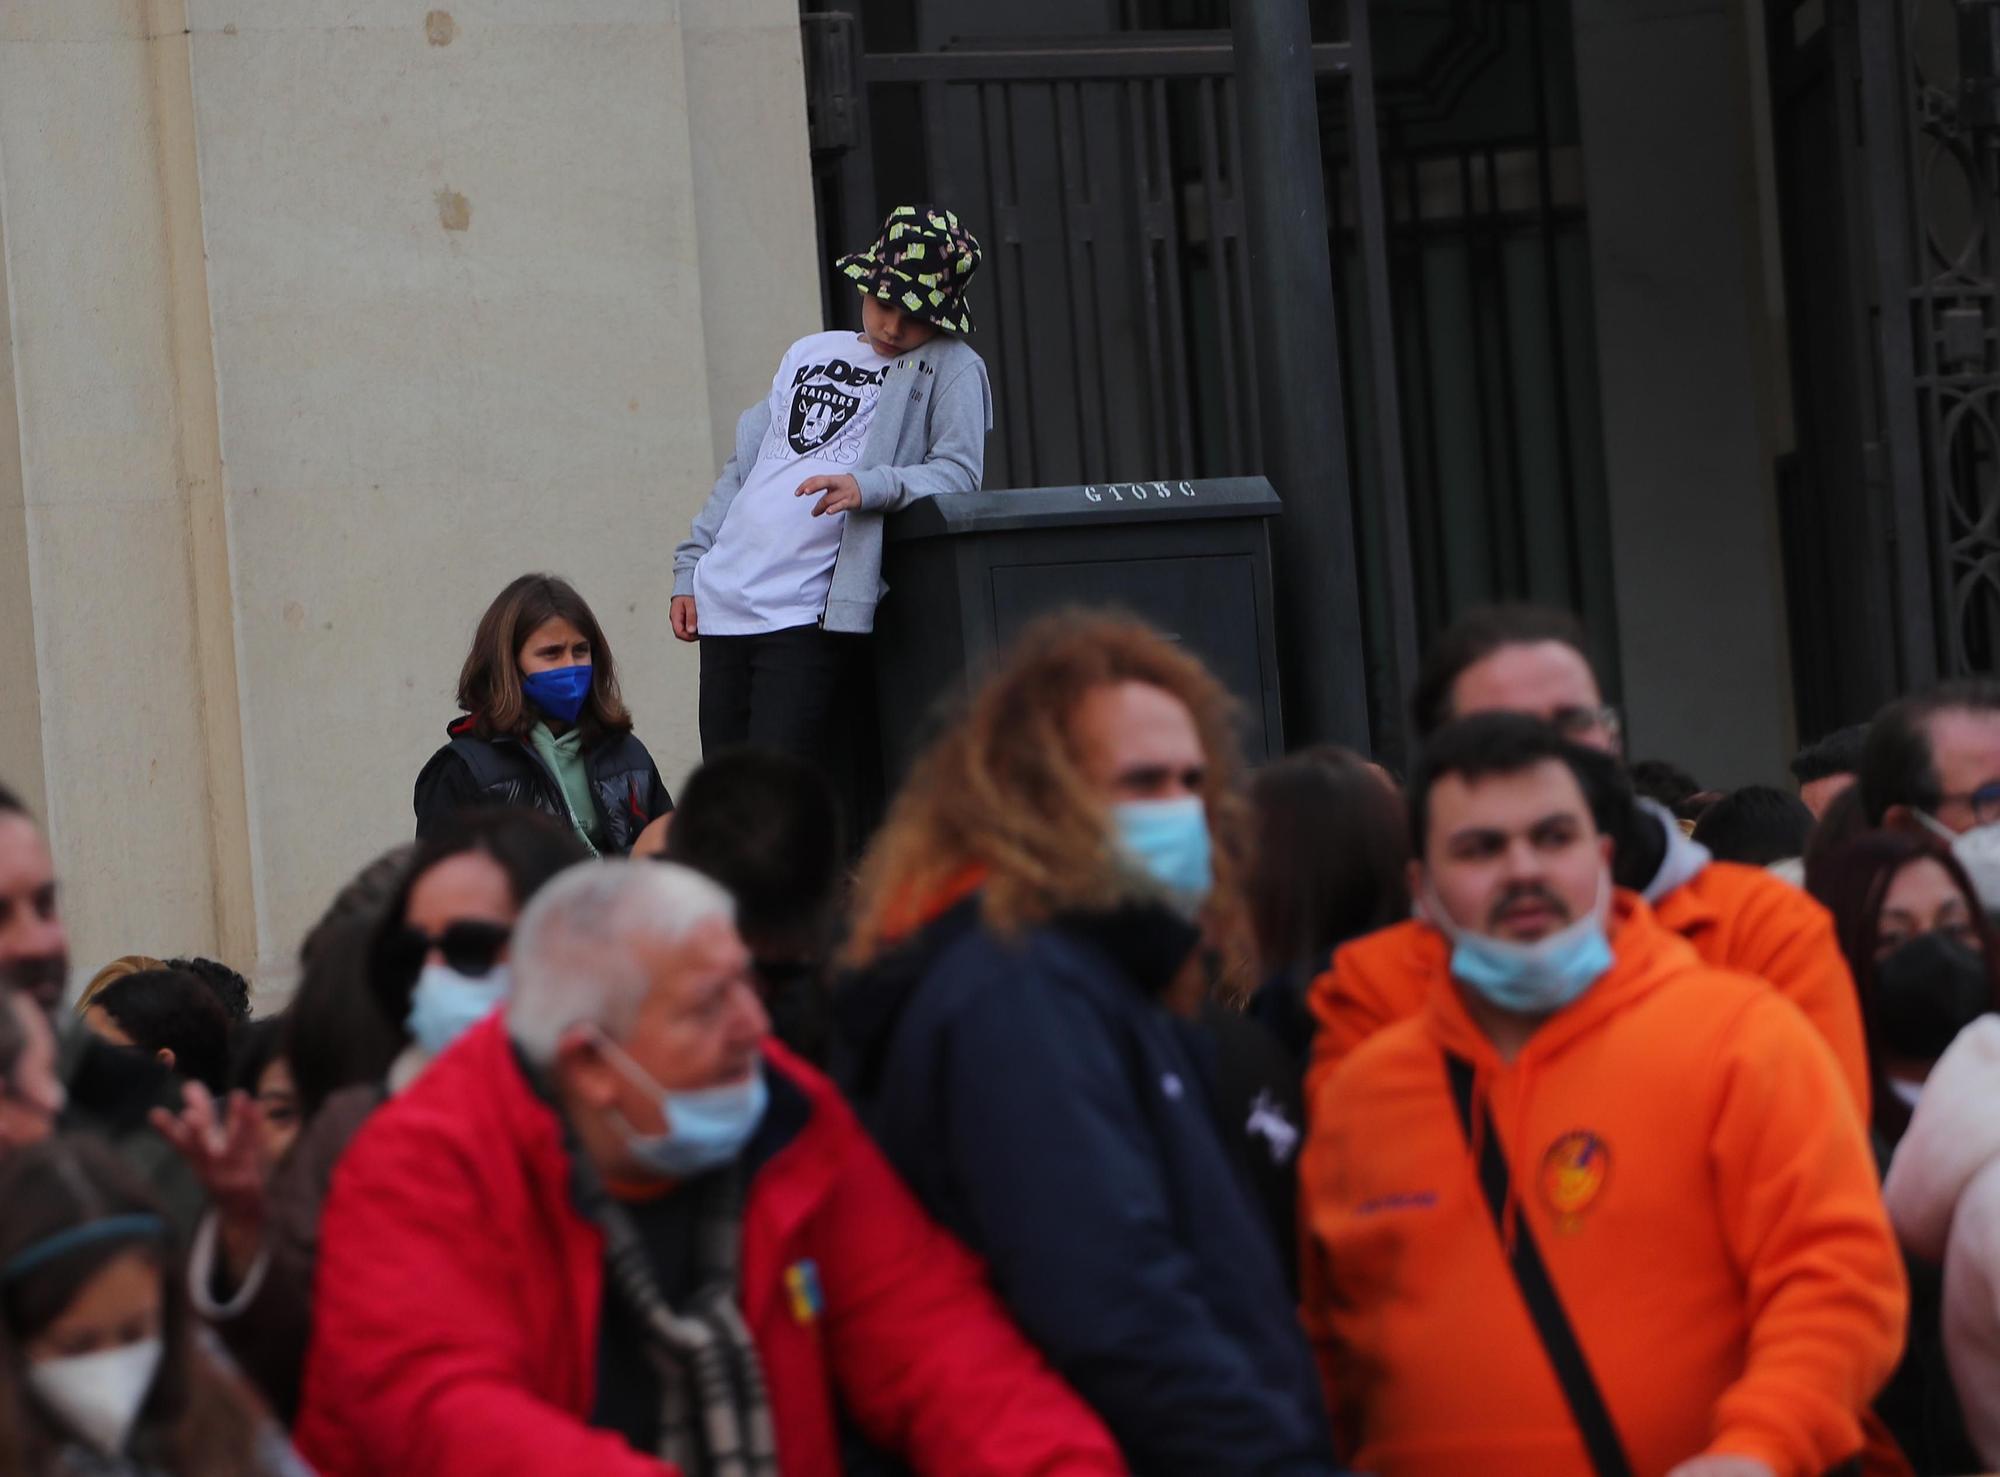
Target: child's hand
842, 493
680, 612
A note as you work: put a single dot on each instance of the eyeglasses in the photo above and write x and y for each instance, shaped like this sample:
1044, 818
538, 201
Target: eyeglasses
1576, 723
1984, 802
470, 947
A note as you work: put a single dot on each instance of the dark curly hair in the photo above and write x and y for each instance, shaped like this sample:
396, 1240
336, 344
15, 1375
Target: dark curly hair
230, 989
173, 1010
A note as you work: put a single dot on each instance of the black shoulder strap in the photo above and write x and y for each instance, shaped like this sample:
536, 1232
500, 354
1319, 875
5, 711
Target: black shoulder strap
1572, 1370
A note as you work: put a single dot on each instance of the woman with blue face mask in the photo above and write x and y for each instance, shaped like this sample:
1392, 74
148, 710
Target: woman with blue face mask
543, 726
439, 960
437, 966
102, 1367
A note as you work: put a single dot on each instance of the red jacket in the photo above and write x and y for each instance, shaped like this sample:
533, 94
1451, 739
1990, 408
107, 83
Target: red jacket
456, 1312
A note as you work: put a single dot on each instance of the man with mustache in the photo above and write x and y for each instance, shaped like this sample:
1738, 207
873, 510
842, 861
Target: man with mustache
1527, 659
1596, 1207
111, 1089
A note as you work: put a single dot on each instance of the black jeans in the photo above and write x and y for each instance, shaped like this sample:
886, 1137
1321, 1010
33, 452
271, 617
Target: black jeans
775, 690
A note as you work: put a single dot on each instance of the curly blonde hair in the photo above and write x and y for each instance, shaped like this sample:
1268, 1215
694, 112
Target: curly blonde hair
1004, 793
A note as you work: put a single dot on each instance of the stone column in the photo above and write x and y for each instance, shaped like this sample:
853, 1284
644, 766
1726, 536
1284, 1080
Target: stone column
122, 729
1670, 122
327, 322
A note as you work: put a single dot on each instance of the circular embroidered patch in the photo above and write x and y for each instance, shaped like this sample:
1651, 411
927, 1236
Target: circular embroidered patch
1573, 1175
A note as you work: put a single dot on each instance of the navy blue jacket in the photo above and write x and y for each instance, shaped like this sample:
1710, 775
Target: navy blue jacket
1047, 1109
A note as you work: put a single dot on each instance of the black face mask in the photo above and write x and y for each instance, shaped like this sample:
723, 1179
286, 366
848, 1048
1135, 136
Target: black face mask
1928, 991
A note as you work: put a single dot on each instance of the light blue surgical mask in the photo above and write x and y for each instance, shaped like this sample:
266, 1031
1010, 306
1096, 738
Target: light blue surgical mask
706, 1129
1529, 979
445, 1004
1168, 840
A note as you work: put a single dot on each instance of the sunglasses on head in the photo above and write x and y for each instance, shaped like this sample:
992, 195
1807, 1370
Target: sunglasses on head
470, 948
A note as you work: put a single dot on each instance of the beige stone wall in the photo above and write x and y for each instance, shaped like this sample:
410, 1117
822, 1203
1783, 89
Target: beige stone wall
329, 318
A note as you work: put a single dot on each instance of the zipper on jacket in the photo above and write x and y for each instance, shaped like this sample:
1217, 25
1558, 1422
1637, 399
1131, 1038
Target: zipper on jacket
577, 825
562, 795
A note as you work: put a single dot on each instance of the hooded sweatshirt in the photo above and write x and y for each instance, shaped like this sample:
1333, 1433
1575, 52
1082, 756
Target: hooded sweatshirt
1944, 1197
1682, 1152
1737, 918
564, 757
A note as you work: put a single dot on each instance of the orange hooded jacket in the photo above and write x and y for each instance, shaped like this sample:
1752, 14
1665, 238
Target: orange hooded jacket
1737, 918
1702, 1196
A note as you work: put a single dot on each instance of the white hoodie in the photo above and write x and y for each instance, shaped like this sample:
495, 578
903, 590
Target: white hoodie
1944, 1197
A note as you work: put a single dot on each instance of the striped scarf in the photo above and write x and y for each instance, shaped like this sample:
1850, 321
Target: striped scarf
715, 1416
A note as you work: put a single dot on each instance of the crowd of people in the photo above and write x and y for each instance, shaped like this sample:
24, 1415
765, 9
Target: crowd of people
1107, 1109
1117, 1111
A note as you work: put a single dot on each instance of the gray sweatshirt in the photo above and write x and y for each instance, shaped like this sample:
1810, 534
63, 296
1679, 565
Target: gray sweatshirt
928, 437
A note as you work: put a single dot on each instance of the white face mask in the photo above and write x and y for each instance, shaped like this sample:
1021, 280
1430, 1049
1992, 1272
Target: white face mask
1978, 851
98, 1395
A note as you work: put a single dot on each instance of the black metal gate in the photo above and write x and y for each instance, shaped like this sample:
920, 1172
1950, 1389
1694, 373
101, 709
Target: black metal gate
1104, 171
1094, 147
1107, 172
1885, 123
1496, 338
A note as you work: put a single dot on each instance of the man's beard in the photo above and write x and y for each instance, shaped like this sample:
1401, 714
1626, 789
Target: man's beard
41, 978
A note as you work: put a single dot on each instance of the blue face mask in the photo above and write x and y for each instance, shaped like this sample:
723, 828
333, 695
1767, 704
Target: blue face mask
445, 1003
1530, 979
705, 1129
1168, 841
559, 692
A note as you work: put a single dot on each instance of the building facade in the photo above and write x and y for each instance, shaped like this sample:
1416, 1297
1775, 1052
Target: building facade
327, 318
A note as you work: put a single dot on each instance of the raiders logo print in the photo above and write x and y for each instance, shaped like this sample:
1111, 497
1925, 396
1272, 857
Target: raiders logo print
819, 414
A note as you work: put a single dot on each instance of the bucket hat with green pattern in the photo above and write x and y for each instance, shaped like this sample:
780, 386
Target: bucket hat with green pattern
920, 263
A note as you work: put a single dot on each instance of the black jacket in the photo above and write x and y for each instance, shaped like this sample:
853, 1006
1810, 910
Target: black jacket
1260, 1103
471, 771
1049, 1111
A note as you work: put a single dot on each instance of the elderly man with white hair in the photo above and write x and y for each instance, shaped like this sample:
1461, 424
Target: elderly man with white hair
617, 1230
